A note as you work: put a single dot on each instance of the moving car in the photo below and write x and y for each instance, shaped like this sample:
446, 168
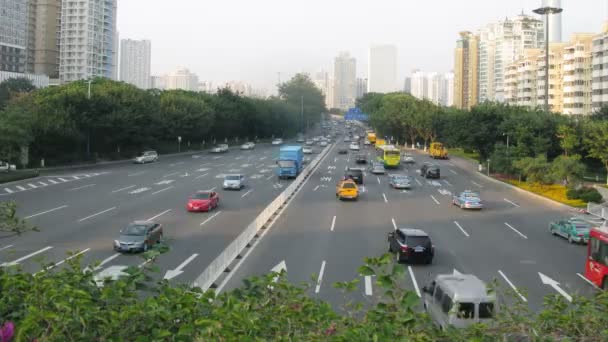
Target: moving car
138, 236
316, 139
575, 229
310, 142
203, 201
430, 171
468, 200
307, 150
354, 174
234, 182
354, 147
361, 158
347, 189
221, 148
408, 159
248, 146
367, 143
400, 182
277, 141
4, 166
342, 150
346, 139
411, 245
146, 157
459, 300
377, 168
323, 143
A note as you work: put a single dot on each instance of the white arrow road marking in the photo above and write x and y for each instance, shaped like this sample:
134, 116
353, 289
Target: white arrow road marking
333, 224
171, 174
137, 191
210, 218
578, 274
82, 187
61, 262
15, 262
125, 188
161, 190
452, 171
320, 279
515, 230
461, 229
477, 184
165, 182
201, 176
99, 213
417, 181
170, 274
445, 192
513, 203
282, 266
409, 268
555, 285
45, 212
368, 285
158, 215
6, 247
385, 199
434, 199
247, 193
513, 286
394, 223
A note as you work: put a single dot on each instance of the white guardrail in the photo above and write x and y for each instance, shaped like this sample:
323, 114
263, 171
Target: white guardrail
215, 269
598, 210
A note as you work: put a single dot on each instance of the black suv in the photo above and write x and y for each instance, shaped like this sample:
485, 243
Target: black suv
361, 158
342, 150
429, 171
354, 174
411, 245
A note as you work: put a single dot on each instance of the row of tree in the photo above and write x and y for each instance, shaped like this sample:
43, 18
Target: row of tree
69, 123
498, 132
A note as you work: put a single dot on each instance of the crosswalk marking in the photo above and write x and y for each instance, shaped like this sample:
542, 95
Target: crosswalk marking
8, 190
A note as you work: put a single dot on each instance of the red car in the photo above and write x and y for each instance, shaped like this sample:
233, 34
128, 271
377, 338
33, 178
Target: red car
203, 201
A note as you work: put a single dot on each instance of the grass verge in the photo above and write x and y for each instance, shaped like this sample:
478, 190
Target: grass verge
459, 152
555, 192
12, 176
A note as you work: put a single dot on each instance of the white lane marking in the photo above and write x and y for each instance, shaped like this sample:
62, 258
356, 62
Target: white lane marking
434, 199
513, 203
515, 230
578, 274
555, 285
159, 215
125, 188
417, 181
174, 164
171, 174
475, 183
316, 187
211, 188
268, 178
368, 285
96, 214
50, 267
6, 247
165, 182
15, 262
394, 223
447, 183
106, 260
42, 183
20, 188
82, 187
513, 286
161, 190
378, 178
461, 229
170, 274
452, 171
262, 158
32, 185
450, 164
333, 224
385, 199
8, 190
139, 190
201, 176
409, 268
76, 177
247, 193
210, 218
136, 174
63, 180
54, 182
320, 279
46, 212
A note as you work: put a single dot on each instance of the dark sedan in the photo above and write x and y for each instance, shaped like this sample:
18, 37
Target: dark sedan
139, 236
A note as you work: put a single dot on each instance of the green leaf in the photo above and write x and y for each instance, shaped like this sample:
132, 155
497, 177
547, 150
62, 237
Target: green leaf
366, 271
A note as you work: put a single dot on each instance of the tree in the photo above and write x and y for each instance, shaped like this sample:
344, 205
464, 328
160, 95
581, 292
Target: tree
570, 137
534, 169
300, 91
567, 169
10, 222
596, 141
12, 87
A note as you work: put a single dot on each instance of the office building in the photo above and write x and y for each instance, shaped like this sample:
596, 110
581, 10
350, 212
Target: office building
345, 81
382, 69
418, 84
135, 56
13, 35
44, 44
577, 73
361, 87
87, 40
466, 70
183, 79
407, 85
555, 21
600, 70
446, 90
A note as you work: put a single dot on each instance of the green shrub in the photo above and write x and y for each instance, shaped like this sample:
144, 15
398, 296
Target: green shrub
12, 176
586, 194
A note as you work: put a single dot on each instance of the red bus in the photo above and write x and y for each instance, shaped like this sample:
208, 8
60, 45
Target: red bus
596, 268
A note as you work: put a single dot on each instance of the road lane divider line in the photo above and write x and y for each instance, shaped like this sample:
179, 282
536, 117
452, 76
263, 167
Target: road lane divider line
333, 224
210, 218
320, 278
378, 178
158, 215
53, 181
513, 286
171, 174
411, 271
17, 261
63, 179
268, 178
581, 276
447, 183
161, 190
511, 202
5, 247
20, 188
96, 214
477, 184
417, 181
8, 190
82, 187
434, 199
136, 173
368, 285
452, 171
394, 223
106, 260
316, 188
32, 185
385, 199
247, 193
211, 188
201, 176
45, 212
125, 188
50, 267
461, 229
515, 230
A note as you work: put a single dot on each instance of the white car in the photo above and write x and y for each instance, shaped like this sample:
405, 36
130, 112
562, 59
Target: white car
354, 147
4, 166
408, 159
234, 182
221, 148
310, 142
248, 146
278, 141
323, 143
316, 139
307, 150
367, 143
146, 157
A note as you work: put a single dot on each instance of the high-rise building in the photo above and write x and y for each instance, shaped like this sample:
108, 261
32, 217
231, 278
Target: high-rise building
135, 58
418, 84
345, 81
361, 87
46, 15
407, 85
556, 78
433, 87
87, 39
13, 35
466, 71
183, 79
158, 82
446, 89
382, 69
323, 82
555, 21
600, 70
578, 69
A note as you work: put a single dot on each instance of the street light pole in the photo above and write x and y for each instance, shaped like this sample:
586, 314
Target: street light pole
302, 113
89, 128
547, 11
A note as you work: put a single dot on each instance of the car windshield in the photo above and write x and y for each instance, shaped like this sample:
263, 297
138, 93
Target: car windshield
286, 163
401, 178
392, 153
233, 177
349, 186
134, 230
201, 195
582, 226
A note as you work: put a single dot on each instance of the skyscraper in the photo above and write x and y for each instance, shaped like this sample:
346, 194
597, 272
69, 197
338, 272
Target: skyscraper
447, 93
13, 35
45, 46
87, 44
361, 87
135, 58
382, 69
407, 85
418, 84
433, 86
555, 21
182, 78
345, 81
466, 71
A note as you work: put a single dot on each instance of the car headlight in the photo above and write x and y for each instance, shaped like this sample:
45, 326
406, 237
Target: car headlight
116, 243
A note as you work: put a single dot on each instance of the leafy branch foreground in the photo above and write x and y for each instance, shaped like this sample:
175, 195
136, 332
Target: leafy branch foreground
66, 305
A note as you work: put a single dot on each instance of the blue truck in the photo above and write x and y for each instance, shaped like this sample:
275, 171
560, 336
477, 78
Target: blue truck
290, 161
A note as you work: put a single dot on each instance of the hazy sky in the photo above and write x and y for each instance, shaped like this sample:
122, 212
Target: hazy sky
250, 40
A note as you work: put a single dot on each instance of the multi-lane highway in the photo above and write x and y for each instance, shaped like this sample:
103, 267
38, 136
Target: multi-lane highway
508, 240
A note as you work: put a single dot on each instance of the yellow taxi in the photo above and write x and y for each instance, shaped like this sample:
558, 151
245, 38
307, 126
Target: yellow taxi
347, 189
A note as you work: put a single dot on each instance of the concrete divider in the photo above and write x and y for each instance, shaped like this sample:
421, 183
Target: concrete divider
221, 263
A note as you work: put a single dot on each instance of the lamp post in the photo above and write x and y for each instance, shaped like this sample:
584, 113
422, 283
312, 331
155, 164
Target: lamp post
302, 113
89, 128
507, 134
547, 11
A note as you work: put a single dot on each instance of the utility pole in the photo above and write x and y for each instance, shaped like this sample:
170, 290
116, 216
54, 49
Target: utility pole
89, 128
547, 11
302, 113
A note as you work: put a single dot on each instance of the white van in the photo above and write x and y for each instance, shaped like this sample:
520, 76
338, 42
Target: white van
459, 300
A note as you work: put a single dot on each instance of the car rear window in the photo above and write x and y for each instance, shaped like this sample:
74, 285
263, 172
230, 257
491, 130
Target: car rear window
486, 310
466, 310
349, 186
414, 241
134, 229
202, 195
233, 177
